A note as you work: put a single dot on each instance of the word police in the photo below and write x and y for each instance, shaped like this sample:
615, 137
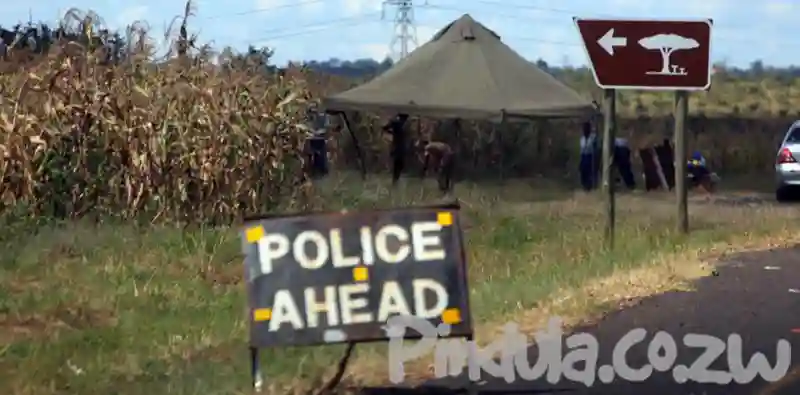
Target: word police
358, 302
423, 242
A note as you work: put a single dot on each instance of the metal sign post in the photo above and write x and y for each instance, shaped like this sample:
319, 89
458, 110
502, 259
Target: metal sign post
647, 54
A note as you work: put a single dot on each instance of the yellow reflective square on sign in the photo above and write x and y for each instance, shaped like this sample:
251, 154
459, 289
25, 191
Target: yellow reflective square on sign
254, 234
360, 274
262, 314
444, 218
451, 316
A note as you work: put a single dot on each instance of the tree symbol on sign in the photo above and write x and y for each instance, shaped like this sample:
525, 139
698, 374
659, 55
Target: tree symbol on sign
667, 44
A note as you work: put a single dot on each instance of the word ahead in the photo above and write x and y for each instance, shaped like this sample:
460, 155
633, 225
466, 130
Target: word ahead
642, 54
333, 278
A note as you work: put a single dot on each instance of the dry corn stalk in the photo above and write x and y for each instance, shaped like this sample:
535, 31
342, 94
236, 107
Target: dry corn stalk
186, 142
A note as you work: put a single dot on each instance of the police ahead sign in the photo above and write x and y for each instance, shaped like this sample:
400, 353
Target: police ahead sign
333, 278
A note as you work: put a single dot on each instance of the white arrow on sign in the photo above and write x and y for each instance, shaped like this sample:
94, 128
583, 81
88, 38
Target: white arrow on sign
608, 41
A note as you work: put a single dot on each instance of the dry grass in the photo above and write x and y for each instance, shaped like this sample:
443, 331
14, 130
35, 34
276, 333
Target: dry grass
160, 307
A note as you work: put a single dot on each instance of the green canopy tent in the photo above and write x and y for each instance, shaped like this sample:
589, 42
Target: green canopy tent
465, 72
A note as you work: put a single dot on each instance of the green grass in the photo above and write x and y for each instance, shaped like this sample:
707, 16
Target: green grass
116, 308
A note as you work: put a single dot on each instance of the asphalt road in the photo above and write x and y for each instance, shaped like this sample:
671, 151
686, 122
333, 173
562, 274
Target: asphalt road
755, 295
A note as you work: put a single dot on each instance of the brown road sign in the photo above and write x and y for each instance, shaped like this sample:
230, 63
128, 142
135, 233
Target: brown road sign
648, 54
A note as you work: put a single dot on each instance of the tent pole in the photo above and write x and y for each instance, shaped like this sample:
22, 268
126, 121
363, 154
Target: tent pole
457, 154
501, 142
346, 122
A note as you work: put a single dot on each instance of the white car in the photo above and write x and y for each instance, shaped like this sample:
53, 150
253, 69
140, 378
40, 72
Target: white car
787, 168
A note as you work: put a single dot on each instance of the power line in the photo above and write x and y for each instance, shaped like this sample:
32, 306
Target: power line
352, 21
538, 8
572, 13
403, 37
531, 39
267, 9
504, 15
409, 34
581, 13
552, 42
405, 29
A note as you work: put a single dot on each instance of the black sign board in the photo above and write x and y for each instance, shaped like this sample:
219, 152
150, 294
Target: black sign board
336, 277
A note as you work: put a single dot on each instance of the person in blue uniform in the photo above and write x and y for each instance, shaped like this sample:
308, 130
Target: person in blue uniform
698, 172
587, 168
697, 165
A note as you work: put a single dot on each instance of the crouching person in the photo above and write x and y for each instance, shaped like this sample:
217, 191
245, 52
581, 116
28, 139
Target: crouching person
699, 174
439, 157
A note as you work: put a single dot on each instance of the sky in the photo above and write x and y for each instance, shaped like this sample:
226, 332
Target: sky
744, 30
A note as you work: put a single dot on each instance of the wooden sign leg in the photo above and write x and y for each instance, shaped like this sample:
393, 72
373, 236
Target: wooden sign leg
609, 135
255, 370
681, 191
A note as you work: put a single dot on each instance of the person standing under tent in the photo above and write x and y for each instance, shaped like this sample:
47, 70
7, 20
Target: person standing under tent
622, 161
396, 128
317, 142
588, 146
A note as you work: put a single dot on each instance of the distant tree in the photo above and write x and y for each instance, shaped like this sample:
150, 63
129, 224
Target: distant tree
757, 68
387, 63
